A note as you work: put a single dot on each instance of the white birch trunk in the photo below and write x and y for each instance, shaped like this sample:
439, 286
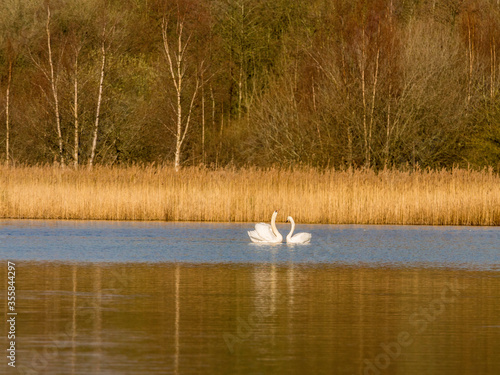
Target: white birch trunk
7, 116
75, 109
177, 68
363, 93
53, 85
202, 122
99, 100
178, 142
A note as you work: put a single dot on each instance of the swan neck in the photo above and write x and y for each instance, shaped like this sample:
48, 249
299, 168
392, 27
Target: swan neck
291, 231
273, 225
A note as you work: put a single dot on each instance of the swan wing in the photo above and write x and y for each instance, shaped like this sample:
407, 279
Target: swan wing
265, 231
255, 237
302, 237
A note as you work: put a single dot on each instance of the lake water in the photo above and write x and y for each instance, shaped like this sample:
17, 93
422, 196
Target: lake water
193, 298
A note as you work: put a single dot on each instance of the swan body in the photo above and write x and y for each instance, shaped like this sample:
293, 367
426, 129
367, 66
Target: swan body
265, 233
300, 238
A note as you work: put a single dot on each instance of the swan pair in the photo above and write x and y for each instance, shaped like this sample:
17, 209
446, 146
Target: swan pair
265, 233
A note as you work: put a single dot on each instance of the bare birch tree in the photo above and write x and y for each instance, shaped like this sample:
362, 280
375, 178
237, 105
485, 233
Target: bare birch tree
76, 147
202, 122
10, 45
99, 99
176, 60
53, 85
7, 115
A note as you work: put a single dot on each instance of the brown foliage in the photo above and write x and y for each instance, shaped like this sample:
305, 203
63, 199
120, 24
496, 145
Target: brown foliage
323, 83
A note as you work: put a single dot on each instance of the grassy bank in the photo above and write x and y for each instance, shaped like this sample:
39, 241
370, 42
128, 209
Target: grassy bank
459, 197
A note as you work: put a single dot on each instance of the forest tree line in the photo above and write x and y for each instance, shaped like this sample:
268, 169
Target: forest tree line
322, 83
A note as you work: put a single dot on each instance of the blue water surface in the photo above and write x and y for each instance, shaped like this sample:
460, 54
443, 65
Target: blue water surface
112, 241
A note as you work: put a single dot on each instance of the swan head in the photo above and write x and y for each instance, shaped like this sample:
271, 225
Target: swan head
289, 219
275, 214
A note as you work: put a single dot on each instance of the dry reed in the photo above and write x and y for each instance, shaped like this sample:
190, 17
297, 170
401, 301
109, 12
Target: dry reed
457, 197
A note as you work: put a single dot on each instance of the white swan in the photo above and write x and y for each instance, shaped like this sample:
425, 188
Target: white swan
302, 237
265, 233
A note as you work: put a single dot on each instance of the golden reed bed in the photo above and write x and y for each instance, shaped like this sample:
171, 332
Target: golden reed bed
457, 197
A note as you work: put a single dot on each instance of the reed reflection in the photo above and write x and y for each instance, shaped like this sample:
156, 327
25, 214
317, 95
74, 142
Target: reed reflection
285, 318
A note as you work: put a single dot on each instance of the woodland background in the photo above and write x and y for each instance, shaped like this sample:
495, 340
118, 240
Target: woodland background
320, 83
